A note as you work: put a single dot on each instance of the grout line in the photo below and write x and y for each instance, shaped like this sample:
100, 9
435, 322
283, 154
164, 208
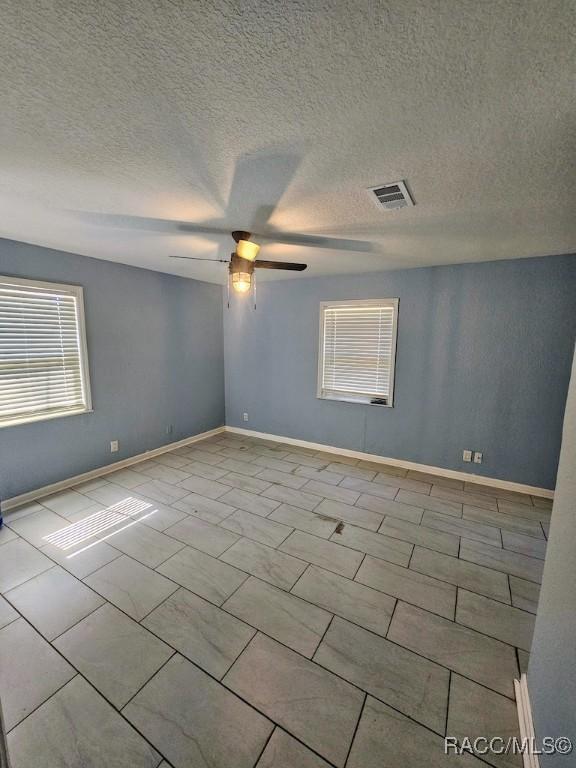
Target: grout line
160, 668
357, 726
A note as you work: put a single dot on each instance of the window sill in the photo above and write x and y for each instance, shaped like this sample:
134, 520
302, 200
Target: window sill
44, 417
354, 400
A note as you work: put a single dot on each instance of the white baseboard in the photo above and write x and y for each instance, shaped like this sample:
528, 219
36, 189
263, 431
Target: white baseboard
525, 721
62, 485
468, 477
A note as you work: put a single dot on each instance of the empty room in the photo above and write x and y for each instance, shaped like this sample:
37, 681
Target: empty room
287, 384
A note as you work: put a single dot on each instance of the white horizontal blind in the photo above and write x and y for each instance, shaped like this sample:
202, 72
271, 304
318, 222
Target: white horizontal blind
43, 372
358, 349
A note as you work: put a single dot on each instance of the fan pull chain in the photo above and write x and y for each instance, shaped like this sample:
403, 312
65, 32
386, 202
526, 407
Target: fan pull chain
228, 278
254, 288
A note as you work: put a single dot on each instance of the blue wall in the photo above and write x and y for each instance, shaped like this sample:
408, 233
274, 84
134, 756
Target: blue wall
483, 362
156, 359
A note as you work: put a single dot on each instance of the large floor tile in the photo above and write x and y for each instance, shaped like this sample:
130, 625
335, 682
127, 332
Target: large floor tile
81, 560
418, 534
362, 605
161, 472
463, 497
414, 685
171, 460
505, 522
258, 528
162, 516
30, 671
481, 658
202, 535
131, 586
326, 554
144, 544
258, 505
281, 478
310, 522
166, 493
6, 535
205, 634
36, 526
127, 478
323, 475
375, 544
333, 492
461, 573
358, 516
240, 467
66, 502
209, 471
503, 622
294, 622
54, 601
477, 712
372, 489
314, 705
525, 594
408, 585
529, 568
202, 574
115, 653
7, 613
282, 751
468, 529
268, 564
195, 722
77, 728
524, 545
210, 510
245, 483
404, 483
443, 506
515, 509
212, 489
351, 470
391, 508
428, 477
271, 462
20, 561
293, 497
209, 454
387, 739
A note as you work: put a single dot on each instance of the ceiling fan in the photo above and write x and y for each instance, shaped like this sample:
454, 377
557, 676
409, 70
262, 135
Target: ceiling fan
243, 262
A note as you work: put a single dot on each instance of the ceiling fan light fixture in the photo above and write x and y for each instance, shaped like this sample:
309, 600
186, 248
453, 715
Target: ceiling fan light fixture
241, 281
248, 250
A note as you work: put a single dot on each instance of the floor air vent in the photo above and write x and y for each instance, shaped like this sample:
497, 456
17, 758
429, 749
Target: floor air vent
392, 196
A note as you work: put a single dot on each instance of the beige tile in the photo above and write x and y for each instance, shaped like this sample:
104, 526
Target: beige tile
468, 529
525, 594
281, 478
429, 477
293, 497
373, 489
462, 497
304, 521
333, 492
406, 483
525, 545
258, 528
358, 516
249, 502
391, 508
506, 522
282, 751
203, 487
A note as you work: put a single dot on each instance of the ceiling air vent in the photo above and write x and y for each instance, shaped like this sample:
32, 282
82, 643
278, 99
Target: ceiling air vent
392, 196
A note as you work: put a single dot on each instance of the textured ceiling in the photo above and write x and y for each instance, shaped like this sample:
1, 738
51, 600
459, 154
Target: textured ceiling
163, 111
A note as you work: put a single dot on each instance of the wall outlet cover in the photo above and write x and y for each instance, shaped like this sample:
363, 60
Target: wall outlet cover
466, 455
113, 446
245, 417
477, 457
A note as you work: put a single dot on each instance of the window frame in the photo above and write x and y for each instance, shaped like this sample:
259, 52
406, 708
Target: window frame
360, 398
77, 292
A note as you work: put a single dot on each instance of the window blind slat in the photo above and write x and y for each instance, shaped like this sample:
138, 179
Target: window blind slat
41, 366
357, 349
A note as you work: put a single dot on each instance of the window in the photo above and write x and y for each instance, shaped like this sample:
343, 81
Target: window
43, 360
357, 351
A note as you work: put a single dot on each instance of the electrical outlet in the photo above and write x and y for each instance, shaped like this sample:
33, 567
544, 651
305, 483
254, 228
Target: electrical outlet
466, 455
477, 457
113, 446
245, 416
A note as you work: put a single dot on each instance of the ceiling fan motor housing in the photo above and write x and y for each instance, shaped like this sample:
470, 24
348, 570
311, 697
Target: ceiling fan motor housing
237, 264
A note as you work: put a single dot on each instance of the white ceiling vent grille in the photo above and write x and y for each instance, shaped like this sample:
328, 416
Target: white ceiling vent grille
392, 196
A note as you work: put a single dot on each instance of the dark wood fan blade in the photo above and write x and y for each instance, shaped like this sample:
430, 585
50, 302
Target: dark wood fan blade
259, 264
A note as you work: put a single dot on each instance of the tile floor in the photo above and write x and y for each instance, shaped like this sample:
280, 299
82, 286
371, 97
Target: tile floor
240, 603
